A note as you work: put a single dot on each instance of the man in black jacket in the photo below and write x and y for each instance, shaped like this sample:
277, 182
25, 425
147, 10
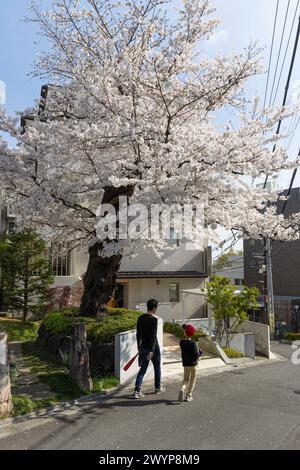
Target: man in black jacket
148, 347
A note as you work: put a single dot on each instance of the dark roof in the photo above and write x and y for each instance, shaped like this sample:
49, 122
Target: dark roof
159, 274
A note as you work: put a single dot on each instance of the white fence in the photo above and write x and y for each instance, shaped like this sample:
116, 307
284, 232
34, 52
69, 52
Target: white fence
126, 348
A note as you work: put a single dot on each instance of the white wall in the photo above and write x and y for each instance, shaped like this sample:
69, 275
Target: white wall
140, 290
262, 335
126, 348
178, 260
234, 271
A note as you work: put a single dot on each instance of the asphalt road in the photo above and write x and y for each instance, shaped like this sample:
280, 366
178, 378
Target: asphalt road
252, 408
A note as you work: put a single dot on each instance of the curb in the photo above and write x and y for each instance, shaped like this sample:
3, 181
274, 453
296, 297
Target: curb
49, 410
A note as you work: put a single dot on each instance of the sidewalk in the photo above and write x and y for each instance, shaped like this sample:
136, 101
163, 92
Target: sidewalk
172, 364
26, 383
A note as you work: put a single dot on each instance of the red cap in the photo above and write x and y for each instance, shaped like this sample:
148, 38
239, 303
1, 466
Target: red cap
190, 330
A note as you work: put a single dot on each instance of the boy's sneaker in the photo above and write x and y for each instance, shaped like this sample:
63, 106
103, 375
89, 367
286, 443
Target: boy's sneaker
138, 395
160, 390
180, 396
189, 398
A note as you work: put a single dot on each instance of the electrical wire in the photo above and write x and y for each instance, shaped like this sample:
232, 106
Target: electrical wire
280, 47
271, 54
286, 51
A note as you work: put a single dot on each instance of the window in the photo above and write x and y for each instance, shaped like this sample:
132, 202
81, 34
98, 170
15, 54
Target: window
11, 227
174, 292
174, 241
61, 263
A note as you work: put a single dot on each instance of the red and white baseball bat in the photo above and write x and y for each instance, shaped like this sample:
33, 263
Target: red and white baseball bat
129, 363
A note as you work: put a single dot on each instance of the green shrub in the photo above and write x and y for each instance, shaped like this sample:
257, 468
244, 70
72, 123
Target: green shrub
98, 330
60, 323
18, 330
292, 336
177, 330
232, 353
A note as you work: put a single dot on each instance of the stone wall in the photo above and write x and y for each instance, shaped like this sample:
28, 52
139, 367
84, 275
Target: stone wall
101, 356
5, 389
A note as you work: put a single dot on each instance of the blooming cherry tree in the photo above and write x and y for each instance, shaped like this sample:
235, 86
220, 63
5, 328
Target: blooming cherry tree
133, 114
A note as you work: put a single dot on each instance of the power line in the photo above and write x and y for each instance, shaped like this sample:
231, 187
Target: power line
286, 51
287, 86
271, 54
280, 47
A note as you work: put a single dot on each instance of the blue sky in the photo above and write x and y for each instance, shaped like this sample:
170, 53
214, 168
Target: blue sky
242, 20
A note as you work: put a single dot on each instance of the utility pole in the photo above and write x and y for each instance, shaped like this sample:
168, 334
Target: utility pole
269, 282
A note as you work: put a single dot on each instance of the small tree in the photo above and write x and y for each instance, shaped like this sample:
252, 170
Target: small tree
230, 309
28, 271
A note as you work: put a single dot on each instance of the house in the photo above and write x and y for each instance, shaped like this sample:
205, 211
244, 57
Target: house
285, 268
232, 269
140, 278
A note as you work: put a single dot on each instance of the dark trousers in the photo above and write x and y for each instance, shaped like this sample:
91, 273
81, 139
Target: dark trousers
143, 363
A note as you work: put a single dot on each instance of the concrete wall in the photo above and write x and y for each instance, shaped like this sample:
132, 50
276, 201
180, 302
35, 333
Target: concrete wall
262, 335
212, 347
243, 342
5, 390
126, 348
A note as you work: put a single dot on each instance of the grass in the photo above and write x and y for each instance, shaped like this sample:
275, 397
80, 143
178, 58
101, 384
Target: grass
23, 405
51, 372
292, 336
18, 330
233, 353
56, 377
104, 383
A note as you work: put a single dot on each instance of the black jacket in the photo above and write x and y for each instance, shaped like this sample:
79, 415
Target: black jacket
146, 331
190, 352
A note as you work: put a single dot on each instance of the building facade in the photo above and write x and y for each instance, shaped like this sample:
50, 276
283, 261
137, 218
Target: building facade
232, 269
285, 268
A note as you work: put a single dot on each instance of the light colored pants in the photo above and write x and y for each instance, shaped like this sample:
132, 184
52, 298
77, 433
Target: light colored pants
189, 379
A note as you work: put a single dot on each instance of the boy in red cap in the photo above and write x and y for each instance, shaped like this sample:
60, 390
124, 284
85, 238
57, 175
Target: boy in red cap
190, 354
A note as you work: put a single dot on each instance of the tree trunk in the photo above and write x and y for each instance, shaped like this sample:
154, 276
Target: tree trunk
100, 278
99, 282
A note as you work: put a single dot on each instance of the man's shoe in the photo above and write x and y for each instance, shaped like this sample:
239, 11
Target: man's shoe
138, 395
180, 396
189, 398
160, 390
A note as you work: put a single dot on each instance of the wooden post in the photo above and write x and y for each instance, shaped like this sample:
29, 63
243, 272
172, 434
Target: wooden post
79, 359
5, 388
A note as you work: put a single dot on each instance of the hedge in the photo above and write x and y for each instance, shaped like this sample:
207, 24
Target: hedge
177, 330
98, 330
292, 336
233, 353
